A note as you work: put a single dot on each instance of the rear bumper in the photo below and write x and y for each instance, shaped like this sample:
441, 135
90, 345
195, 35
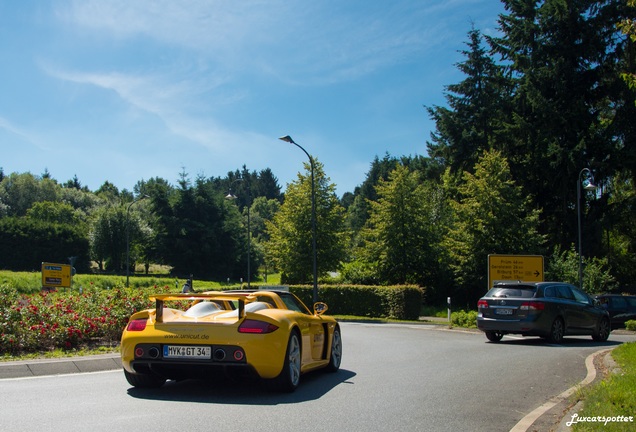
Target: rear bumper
194, 370
523, 327
263, 354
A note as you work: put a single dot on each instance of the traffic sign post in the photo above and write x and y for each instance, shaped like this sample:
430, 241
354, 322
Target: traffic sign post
528, 268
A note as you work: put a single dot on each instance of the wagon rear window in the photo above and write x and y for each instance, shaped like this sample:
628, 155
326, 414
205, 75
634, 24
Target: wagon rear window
507, 292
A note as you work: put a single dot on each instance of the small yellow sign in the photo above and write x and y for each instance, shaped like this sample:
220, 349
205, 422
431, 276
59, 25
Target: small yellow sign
528, 268
56, 275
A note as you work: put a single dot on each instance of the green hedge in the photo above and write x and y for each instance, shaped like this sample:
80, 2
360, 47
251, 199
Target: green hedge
26, 243
396, 302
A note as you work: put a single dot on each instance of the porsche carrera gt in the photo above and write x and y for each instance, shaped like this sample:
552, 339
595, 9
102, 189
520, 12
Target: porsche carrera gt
268, 334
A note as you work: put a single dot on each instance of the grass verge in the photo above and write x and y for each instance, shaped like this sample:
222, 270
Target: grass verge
609, 403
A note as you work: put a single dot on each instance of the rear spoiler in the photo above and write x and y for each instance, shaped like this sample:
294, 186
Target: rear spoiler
160, 299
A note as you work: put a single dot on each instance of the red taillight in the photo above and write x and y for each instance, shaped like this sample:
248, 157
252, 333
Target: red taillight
137, 325
532, 306
254, 326
482, 304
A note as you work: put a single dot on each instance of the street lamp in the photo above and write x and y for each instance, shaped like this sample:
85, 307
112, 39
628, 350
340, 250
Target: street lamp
289, 139
128, 237
590, 186
249, 246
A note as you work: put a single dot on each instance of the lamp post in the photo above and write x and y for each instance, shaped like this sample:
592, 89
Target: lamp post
289, 139
128, 236
590, 186
249, 231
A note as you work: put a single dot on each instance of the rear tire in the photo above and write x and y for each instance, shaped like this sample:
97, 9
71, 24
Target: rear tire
144, 380
494, 336
557, 331
602, 331
289, 377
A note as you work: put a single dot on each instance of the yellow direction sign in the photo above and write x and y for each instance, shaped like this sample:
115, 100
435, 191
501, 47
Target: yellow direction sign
56, 275
527, 268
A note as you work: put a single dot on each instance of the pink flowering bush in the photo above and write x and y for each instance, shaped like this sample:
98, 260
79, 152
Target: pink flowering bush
46, 321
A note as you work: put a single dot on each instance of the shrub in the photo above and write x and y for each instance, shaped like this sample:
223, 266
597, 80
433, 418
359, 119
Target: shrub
631, 325
48, 321
466, 319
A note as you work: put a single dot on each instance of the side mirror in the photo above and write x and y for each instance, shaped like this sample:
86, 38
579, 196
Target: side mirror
320, 308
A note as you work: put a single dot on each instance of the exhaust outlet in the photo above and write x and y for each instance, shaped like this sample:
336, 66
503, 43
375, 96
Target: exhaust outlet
219, 354
153, 352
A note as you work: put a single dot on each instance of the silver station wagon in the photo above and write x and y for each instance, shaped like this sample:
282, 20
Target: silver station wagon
550, 310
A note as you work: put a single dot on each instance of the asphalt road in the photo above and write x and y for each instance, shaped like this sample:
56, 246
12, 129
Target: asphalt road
393, 378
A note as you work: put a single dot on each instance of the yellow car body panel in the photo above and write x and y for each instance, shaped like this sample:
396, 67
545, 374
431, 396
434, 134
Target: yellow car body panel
201, 325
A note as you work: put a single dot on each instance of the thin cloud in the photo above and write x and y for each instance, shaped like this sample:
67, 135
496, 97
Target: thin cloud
158, 96
22, 134
311, 43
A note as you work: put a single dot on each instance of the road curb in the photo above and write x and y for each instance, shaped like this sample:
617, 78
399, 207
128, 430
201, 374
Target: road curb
60, 366
559, 405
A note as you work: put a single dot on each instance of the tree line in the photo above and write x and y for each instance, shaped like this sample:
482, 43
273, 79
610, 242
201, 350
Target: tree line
546, 107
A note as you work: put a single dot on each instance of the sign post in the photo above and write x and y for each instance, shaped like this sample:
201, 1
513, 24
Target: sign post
528, 268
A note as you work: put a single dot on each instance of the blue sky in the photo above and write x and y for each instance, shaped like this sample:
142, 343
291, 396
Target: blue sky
122, 90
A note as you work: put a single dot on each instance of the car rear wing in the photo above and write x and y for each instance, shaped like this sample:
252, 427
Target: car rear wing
240, 298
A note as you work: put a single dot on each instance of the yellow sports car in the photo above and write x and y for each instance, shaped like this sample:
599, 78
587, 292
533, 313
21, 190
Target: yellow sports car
269, 333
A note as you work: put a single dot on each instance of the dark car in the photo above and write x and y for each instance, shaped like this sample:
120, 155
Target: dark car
547, 309
621, 308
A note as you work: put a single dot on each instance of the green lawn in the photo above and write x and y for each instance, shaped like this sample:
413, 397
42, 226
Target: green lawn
612, 401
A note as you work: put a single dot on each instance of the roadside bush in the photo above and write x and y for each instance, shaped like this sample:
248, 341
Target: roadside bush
466, 319
631, 325
48, 321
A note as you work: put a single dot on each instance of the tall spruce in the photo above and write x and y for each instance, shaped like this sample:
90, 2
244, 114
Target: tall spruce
475, 109
560, 57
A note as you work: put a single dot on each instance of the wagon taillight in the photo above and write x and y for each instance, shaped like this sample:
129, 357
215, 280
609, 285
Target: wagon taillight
532, 306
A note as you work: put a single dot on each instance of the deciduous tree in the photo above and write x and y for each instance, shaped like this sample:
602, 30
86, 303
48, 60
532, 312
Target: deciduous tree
491, 215
401, 237
290, 244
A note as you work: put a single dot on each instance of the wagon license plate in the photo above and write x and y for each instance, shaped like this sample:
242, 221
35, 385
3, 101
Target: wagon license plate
187, 352
503, 311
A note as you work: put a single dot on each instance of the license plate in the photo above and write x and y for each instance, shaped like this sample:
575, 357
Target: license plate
503, 311
187, 352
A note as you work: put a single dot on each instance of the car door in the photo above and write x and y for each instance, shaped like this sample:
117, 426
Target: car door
570, 308
586, 314
313, 337
630, 313
317, 337
311, 329
617, 308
